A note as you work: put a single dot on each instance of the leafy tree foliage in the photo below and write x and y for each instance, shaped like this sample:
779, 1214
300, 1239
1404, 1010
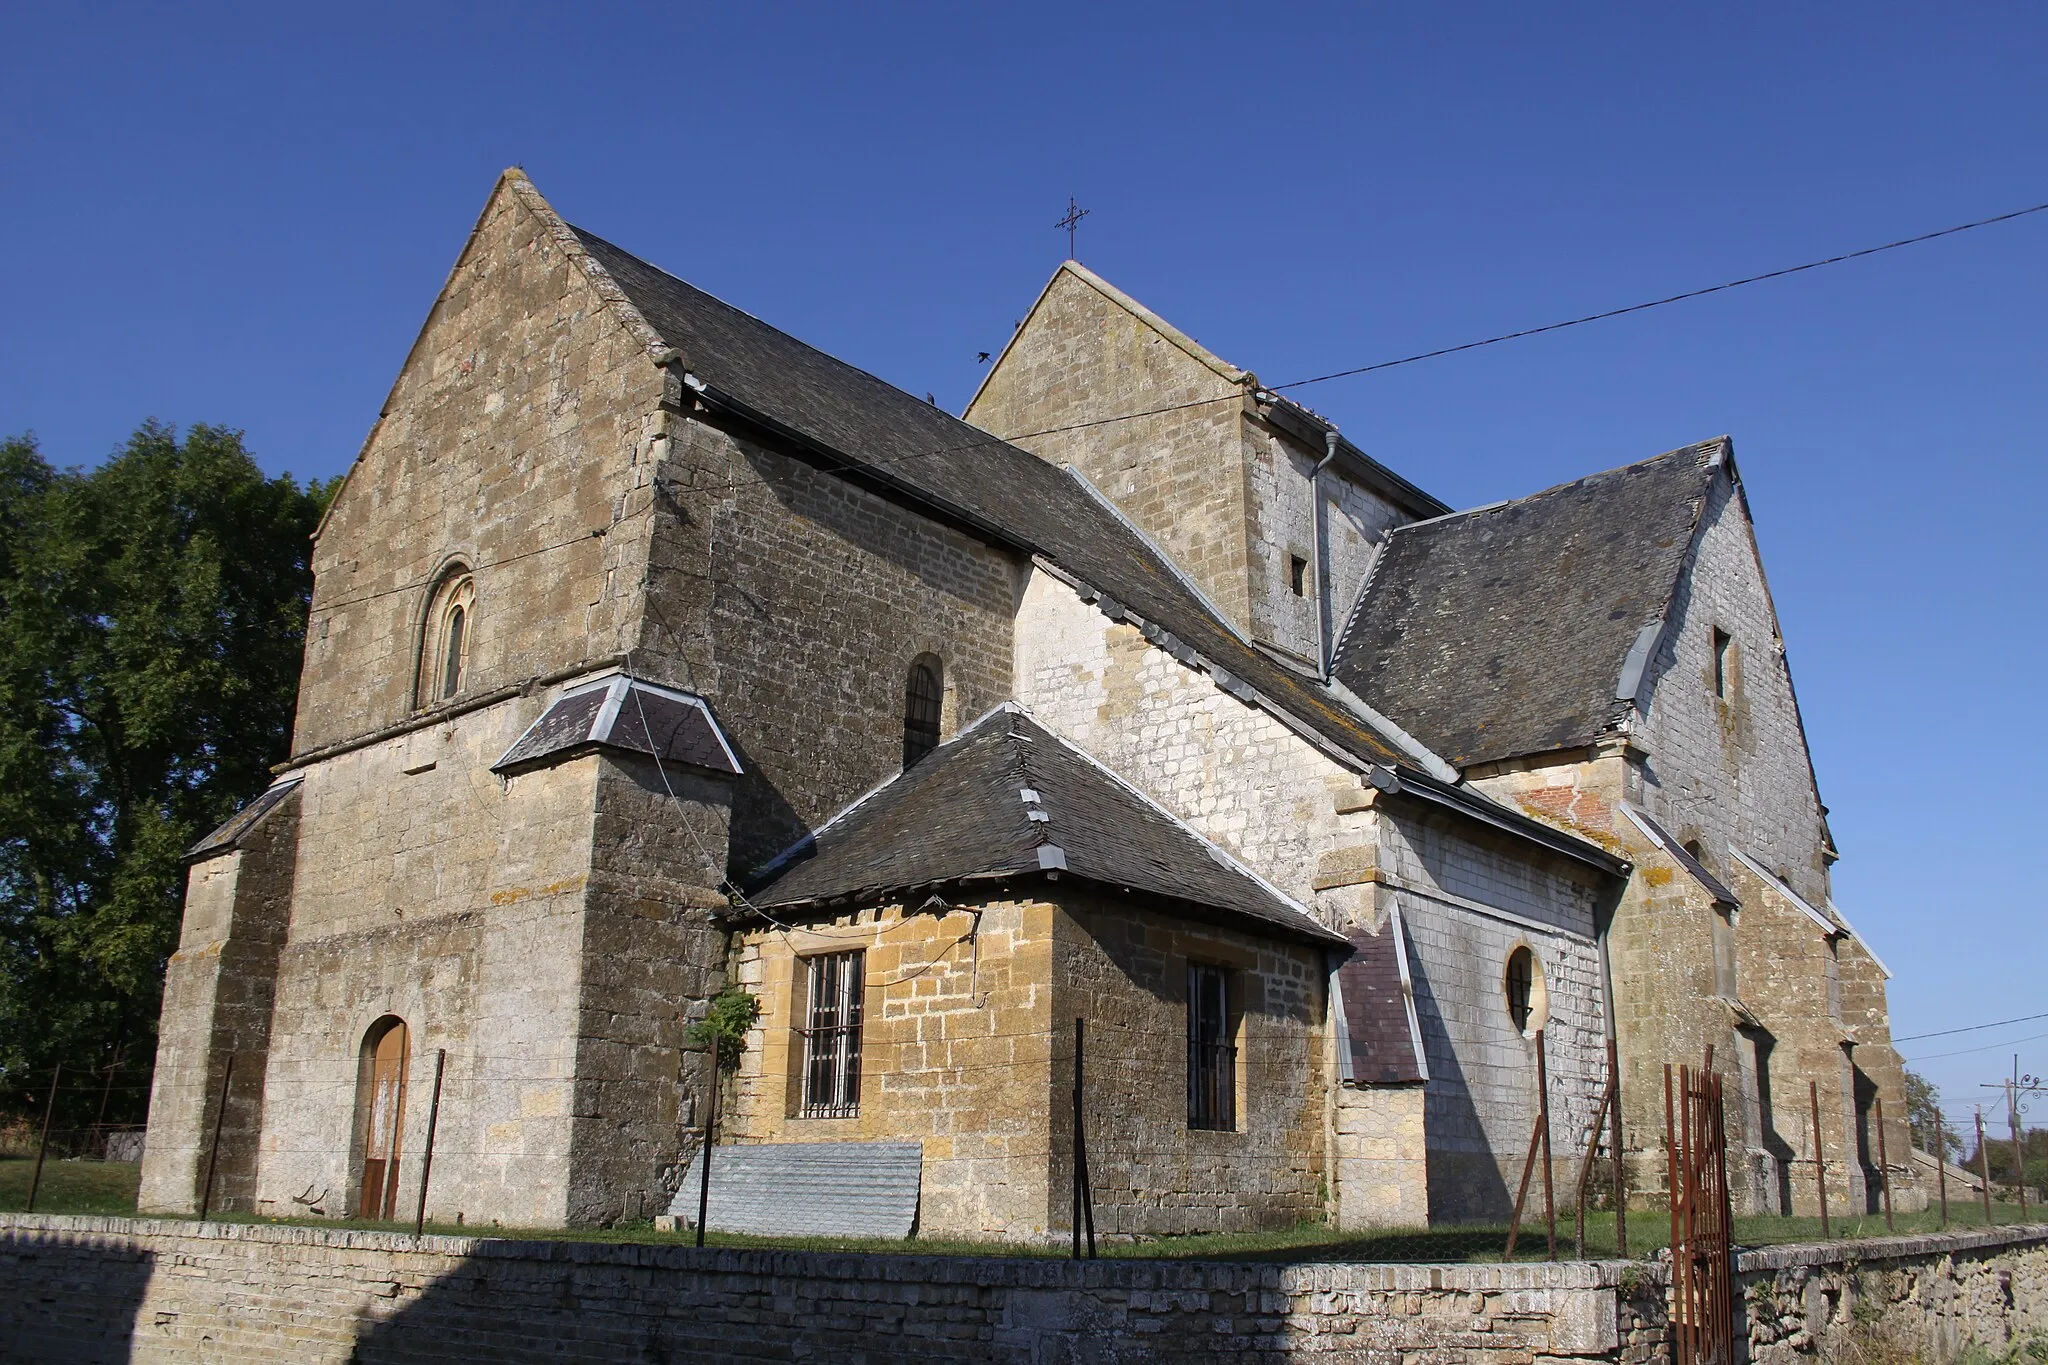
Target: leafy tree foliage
1923, 1109
152, 612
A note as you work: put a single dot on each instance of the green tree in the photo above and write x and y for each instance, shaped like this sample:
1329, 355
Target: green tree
1923, 1109
152, 612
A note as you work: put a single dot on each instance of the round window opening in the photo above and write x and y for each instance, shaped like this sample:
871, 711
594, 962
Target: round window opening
1528, 1001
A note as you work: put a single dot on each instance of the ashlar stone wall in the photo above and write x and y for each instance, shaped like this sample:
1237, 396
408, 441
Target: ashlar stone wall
956, 1053
219, 989
794, 602
510, 442
1087, 352
1123, 967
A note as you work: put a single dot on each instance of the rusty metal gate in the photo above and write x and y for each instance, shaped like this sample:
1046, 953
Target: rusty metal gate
1702, 1270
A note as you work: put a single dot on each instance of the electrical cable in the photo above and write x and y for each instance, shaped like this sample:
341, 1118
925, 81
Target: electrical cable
1969, 1028
765, 480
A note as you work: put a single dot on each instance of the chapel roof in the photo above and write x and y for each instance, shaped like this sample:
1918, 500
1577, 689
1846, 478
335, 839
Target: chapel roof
877, 432
1006, 799
1504, 630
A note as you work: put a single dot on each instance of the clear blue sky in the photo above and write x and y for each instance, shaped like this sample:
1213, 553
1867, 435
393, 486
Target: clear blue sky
241, 216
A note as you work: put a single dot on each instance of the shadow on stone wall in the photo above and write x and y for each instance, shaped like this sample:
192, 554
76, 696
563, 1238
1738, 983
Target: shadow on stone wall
66, 1302
1465, 1186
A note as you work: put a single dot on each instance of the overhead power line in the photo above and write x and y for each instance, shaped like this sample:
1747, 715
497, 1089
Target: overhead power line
1673, 298
1969, 1028
767, 479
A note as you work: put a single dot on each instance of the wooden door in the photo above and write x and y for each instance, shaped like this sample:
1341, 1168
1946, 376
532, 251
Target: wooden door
385, 1104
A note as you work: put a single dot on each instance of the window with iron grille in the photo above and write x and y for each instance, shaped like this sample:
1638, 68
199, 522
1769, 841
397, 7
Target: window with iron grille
1212, 1058
922, 694
832, 1040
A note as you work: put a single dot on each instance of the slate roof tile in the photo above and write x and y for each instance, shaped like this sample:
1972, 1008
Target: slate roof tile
891, 435
965, 812
1502, 631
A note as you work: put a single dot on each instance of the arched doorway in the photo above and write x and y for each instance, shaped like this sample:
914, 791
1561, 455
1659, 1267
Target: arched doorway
381, 1114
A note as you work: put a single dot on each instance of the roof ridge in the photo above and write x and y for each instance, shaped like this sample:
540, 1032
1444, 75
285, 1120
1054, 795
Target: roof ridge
1717, 445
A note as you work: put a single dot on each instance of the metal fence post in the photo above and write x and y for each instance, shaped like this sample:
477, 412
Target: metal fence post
49, 1110
1884, 1170
1941, 1165
220, 1113
1984, 1167
419, 1221
1620, 1170
1820, 1165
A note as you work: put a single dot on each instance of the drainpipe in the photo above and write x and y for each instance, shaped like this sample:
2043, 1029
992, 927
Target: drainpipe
1315, 551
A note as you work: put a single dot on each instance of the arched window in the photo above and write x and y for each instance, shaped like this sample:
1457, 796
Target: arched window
1528, 999
380, 1117
923, 694
444, 641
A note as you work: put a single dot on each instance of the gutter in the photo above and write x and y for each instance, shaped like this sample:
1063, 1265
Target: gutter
1315, 550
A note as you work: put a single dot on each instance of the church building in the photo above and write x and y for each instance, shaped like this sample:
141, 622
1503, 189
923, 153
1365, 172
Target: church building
1138, 724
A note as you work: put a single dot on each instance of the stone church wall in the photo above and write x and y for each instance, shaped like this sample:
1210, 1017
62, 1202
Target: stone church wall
1123, 967
218, 994
794, 602
1082, 356
509, 440
1282, 527
1466, 905
956, 1054
1297, 817
454, 901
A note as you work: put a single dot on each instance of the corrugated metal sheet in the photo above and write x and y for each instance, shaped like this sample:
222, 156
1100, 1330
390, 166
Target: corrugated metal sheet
808, 1189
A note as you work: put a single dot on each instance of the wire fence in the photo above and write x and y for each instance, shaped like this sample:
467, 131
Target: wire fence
1598, 1194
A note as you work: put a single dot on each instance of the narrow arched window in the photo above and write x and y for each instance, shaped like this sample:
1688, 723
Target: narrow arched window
451, 652
1528, 1000
380, 1114
923, 695
445, 638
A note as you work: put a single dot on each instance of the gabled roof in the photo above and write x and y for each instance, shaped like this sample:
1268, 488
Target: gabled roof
869, 429
1510, 629
1006, 799
621, 712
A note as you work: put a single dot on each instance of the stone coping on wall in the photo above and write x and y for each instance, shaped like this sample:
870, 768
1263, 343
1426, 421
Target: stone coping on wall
1791, 1254
1036, 1272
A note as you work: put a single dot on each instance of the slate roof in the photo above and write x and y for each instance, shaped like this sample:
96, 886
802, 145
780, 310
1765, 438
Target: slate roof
887, 435
1503, 631
1008, 799
238, 825
620, 713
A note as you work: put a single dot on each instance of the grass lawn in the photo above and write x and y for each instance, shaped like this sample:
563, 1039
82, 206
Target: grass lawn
70, 1186
109, 1187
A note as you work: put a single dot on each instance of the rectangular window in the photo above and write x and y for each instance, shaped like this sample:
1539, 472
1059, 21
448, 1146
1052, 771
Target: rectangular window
1212, 1059
1297, 574
832, 1040
1723, 642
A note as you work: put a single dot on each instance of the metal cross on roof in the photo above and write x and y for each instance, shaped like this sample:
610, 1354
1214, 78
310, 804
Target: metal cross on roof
1075, 213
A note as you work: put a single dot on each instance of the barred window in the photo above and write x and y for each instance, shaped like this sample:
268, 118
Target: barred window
832, 1041
923, 693
1212, 1059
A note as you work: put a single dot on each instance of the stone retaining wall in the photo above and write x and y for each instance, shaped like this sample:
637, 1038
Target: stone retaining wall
93, 1289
